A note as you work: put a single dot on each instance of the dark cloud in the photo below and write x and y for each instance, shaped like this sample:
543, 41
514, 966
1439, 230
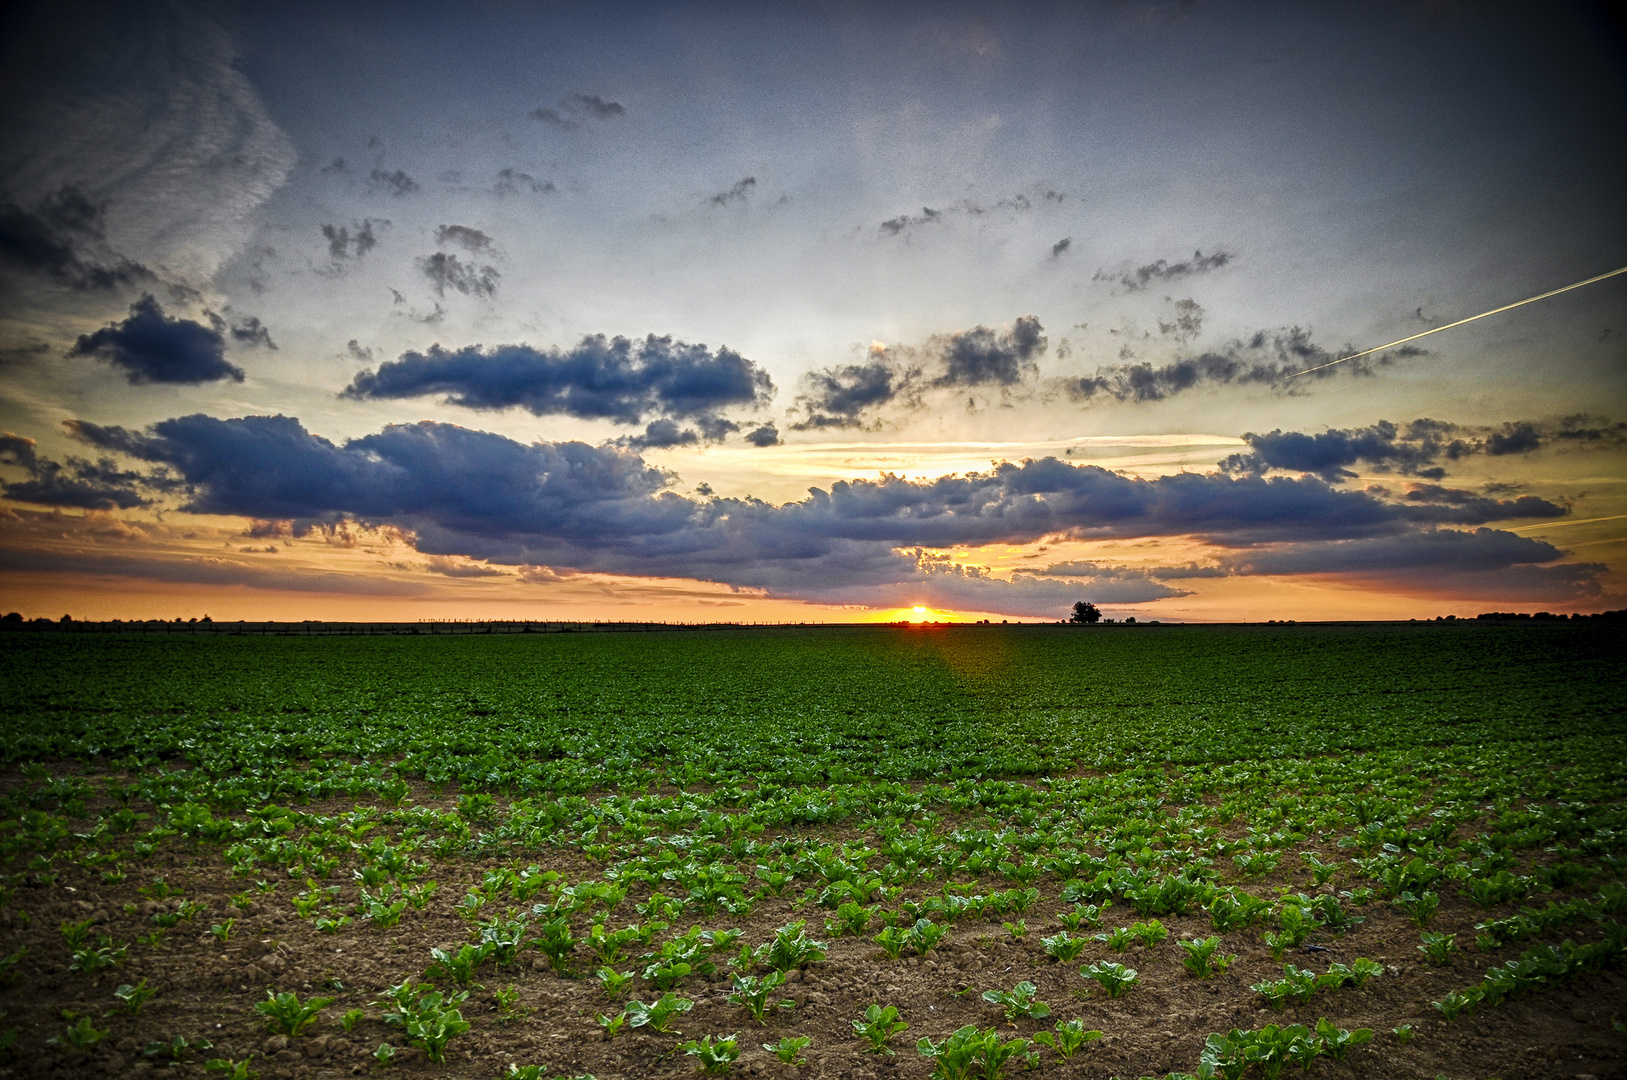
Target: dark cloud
337, 165
1414, 449
51, 242
1185, 321
968, 208
737, 193
1166, 271
981, 357
202, 571
661, 435
1061, 245
1267, 358
150, 348
902, 223
574, 109
465, 237
1109, 584
356, 352
397, 183
85, 485
449, 272
510, 181
610, 379
354, 240
249, 331
842, 397
766, 435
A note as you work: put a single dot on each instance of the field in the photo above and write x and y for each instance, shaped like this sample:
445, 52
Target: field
1379, 850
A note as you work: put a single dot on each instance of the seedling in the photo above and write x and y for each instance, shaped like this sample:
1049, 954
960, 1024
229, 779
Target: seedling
790, 948
81, 1035
177, 1048
1438, 947
1068, 1039
223, 930
285, 1014
1203, 958
235, 1070
1150, 932
1116, 979
970, 1053
715, 1055
892, 940
612, 1024
754, 993
924, 936
132, 998
101, 955
790, 1048
1063, 946
1421, 909
878, 1026
460, 966
659, 1014
506, 1004
1019, 1001
75, 933
555, 941
1403, 1033
351, 1018
1118, 939
1337, 1041
384, 1055
1017, 929
613, 981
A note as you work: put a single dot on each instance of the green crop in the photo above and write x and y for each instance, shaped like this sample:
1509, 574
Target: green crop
1068, 1039
789, 1049
1203, 958
1421, 908
754, 993
433, 1021
1438, 947
1116, 979
613, 981
790, 948
970, 1054
177, 1048
1019, 1001
659, 1014
714, 1056
132, 998
877, 1027
460, 966
1118, 939
285, 1014
81, 1035
234, 1070
1064, 947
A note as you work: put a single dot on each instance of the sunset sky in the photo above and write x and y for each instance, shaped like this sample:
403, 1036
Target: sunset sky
817, 312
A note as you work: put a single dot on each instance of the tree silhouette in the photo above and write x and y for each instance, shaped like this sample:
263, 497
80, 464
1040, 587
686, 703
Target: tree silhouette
1084, 612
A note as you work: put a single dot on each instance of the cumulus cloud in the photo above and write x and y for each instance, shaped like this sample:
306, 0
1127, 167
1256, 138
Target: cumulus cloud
737, 193
599, 379
512, 181
1164, 271
1060, 246
85, 485
766, 435
449, 272
1266, 359
148, 347
397, 183
849, 395
576, 109
981, 356
354, 240
603, 509
1417, 448
469, 239
61, 239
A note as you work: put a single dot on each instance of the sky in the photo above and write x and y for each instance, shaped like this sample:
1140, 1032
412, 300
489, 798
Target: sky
848, 312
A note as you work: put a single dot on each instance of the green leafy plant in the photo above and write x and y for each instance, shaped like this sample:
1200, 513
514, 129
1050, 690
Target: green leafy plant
177, 1048
1202, 956
384, 1055
1118, 939
223, 930
1068, 1039
1116, 979
877, 1027
132, 998
659, 1014
351, 1018
234, 1070
715, 1055
1337, 1041
460, 966
612, 1024
285, 1014
613, 981
433, 1021
1017, 928
98, 956
924, 935
1150, 932
754, 993
1019, 1001
789, 1049
81, 1035
1438, 947
892, 940
790, 948
1419, 908
970, 1054
1063, 946
1403, 1033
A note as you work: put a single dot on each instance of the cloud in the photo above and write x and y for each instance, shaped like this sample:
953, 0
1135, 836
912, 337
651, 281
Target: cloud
599, 379
86, 485
449, 272
661, 435
250, 331
352, 241
149, 114
766, 435
1018, 204
459, 568
737, 193
49, 242
1416, 448
903, 223
1185, 323
397, 183
510, 181
356, 352
1266, 359
1164, 271
202, 571
472, 240
568, 505
1100, 582
980, 356
574, 109
843, 396
150, 348
1060, 246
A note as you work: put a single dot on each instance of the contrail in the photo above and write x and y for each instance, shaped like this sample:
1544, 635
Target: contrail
1460, 322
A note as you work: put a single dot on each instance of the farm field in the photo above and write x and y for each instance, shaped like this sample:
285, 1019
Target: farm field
1361, 850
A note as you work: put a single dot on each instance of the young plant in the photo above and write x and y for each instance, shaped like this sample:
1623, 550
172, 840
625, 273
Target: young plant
81, 1035
1069, 1038
878, 1026
223, 931
790, 1048
791, 948
1421, 908
1203, 958
1063, 946
659, 1014
1118, 939
715, 1055
1019, 1001
1403, 1033
1438, 947
970, 1053
924, 936
98, 956
132, 998
285, 1014
1150, 932
177, 1048
555, 941
1017, 929
612, 1024
754, 993
1116, 979
434, 1022
1337, 1041
613, 981
351, 1018
460, 966
892, 940
235, 1070
506, 1004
